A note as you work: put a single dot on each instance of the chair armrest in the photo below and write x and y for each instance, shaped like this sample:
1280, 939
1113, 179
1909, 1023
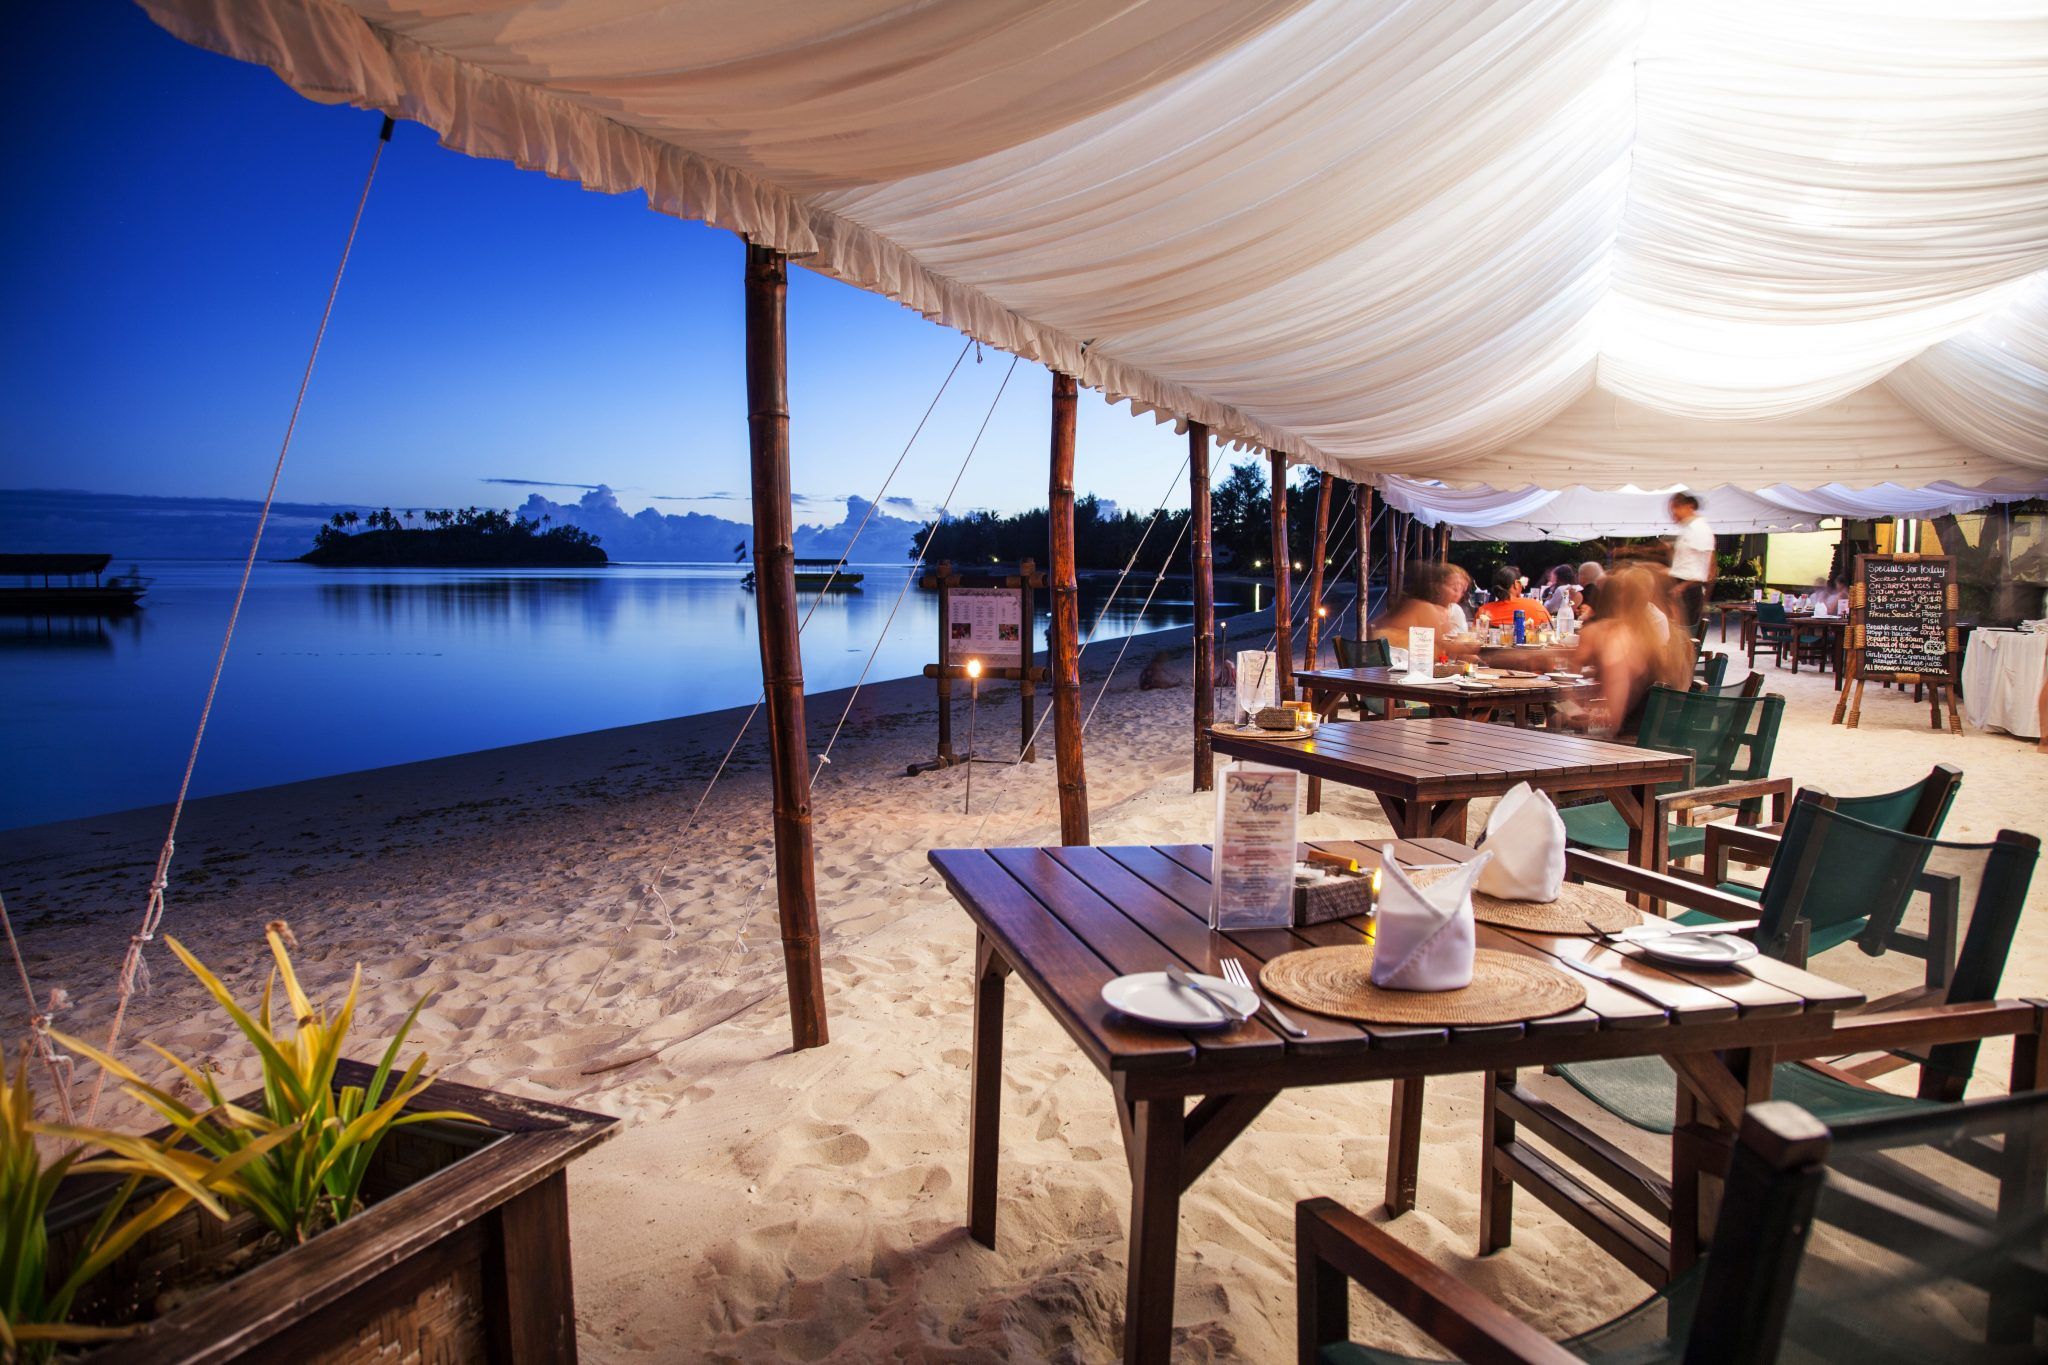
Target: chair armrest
1332, 1244
1927, 1026
1582, 866
1779, 789
1756, 847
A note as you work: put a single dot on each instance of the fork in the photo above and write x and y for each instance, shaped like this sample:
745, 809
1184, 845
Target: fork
1234, 973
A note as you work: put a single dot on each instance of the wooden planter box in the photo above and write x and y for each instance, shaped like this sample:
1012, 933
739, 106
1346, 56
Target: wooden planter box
461, 1255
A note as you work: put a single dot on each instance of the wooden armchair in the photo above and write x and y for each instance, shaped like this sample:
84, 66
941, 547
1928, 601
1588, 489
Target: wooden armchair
1821, 848
1731, 739
1797, 1188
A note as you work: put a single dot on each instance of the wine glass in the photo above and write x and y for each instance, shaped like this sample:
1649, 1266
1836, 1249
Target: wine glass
1254, 681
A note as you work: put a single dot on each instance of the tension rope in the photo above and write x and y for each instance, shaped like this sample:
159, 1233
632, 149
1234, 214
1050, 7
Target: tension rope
133, 965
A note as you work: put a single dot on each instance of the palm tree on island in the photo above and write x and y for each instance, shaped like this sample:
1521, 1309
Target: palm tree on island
470, 538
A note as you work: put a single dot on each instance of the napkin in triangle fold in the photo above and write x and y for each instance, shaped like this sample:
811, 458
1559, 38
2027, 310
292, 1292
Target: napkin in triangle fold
1423, 938
1525, 834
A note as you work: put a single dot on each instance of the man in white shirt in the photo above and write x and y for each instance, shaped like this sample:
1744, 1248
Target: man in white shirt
1692, 558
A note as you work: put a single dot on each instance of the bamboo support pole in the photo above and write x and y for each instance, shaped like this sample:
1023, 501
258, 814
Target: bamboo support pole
782, 669
1066, 619
1363, 495
1312, 646
1203, 564
1283, 616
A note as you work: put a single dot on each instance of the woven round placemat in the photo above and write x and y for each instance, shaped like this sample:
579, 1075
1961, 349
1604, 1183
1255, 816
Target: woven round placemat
1506, 988
1575, 904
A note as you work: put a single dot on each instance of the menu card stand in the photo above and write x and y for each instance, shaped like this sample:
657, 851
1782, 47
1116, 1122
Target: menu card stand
1251, 870
1421, 655
1902, 629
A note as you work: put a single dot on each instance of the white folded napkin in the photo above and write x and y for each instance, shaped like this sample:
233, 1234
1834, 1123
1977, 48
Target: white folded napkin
1423, 938
1525, 834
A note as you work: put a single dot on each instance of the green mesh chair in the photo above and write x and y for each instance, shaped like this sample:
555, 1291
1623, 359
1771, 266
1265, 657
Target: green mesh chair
1837, 911
1731, 740
1989, 881
1372, 653
1771, 633
1709, 672
1882, 1239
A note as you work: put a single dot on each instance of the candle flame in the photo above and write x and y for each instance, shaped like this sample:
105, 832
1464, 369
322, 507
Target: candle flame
974, 668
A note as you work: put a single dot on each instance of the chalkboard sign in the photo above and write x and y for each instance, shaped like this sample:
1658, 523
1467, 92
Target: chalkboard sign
1902, 628
1902, 614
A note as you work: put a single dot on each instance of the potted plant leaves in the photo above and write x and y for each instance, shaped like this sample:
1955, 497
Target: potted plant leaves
340, 1210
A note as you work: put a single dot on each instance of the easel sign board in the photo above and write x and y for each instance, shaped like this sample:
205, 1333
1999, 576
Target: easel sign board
1906, 620
1902, 629
985, 624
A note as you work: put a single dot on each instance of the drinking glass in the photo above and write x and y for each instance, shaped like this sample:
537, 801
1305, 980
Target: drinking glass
1256, 684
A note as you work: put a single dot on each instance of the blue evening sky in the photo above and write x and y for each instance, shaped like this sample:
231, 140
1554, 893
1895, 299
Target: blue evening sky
173, 224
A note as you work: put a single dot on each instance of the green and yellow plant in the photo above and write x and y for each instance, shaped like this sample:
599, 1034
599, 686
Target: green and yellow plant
33, 1301
302, 1160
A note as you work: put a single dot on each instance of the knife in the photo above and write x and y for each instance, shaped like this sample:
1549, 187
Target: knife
1188, 983
1615, 980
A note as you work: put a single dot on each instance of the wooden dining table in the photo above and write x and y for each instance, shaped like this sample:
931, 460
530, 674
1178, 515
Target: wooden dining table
1066, 921
1521, 700
1427, 772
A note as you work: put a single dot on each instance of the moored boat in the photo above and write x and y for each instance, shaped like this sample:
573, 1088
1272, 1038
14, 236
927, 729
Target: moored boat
818, 575
50, 583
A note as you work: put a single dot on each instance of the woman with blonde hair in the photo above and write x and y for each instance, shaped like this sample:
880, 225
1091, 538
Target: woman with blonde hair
1631, 644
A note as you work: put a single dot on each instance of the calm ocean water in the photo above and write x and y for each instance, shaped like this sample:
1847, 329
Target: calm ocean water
335, 670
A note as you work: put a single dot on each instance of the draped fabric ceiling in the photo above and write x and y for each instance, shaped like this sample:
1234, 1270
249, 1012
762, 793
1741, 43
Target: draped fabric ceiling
1530, 241
1580, 513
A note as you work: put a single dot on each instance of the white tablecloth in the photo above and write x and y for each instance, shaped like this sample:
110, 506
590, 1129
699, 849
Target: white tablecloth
2002, 680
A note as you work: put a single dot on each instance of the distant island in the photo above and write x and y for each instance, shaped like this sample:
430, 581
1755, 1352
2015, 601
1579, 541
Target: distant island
462, 538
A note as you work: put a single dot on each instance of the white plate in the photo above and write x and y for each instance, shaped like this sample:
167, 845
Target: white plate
1151, 997
1691, 950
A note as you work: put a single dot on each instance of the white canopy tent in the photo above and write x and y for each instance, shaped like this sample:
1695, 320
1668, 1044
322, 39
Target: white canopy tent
1547, 242
1581, 513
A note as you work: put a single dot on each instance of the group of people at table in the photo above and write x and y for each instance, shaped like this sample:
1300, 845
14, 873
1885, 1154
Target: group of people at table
1629, 627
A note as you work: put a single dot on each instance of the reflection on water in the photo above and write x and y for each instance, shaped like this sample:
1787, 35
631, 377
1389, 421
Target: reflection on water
335, 670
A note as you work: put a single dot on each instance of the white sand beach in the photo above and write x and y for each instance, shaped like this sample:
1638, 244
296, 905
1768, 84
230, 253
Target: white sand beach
764, 1205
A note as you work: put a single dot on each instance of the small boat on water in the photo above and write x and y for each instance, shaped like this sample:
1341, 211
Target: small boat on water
50, 584
817, 575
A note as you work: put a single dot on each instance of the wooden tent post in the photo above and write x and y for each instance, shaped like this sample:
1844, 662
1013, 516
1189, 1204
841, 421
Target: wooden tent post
1283, 615
1312, 646
1362, 493
782, 667
1204, 567
1066, 619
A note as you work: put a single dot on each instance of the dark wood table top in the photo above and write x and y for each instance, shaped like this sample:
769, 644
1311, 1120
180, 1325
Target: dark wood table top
1069, 920
1391, 682
1445, 756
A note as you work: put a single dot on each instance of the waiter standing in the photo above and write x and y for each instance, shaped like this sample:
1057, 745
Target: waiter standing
1692, 559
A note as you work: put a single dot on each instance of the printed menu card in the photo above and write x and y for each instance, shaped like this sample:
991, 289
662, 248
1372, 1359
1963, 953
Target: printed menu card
1251, 870
1421, 654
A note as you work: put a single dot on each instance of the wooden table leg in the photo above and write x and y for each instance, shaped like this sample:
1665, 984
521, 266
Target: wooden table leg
1714, 1090
1404, 1145
1156, 1134
1496, 1190
1424, 819
1649, 839
985, 1085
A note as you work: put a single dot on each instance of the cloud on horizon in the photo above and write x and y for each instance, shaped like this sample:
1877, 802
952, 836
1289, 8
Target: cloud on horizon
544, 483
